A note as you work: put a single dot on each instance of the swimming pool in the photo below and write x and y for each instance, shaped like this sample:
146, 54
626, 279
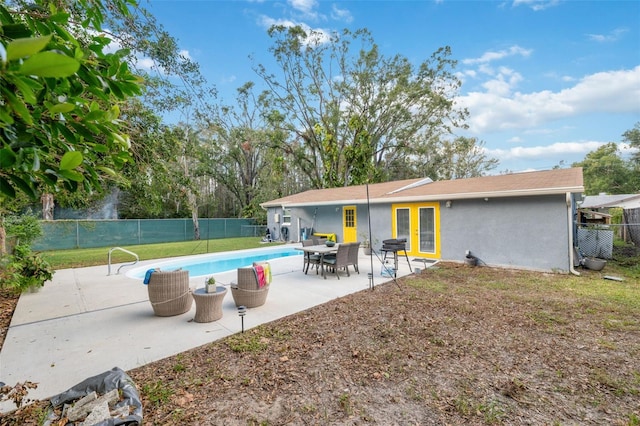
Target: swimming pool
217, 262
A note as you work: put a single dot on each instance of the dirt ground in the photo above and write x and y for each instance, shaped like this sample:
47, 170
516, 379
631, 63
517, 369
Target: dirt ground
455, 345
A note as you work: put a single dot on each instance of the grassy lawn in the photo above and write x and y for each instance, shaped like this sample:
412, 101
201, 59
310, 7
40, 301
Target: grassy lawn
453, 345
77, 258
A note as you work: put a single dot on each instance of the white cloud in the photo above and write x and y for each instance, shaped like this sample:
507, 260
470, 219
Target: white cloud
505, 80
228, 79
488, 57
306, 9
497, 87
536, 5
343, 15
497, 109
146, 64
267, 22
113, 46
305, 6
486, 69
605, 38
555, 150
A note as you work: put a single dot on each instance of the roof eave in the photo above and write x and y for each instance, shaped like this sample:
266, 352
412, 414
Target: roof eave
487, 194
434, 197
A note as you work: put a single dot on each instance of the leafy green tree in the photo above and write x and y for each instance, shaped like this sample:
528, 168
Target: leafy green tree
164, 172
632, 137
457, 158
60, 100
173, 82
60, 97
147, 189
605, 171
463, 158
351, 113
242, 154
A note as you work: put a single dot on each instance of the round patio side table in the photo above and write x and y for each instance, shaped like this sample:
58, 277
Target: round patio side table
209, 305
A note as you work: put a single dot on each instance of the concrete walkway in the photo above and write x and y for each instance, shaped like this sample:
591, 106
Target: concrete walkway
85, 322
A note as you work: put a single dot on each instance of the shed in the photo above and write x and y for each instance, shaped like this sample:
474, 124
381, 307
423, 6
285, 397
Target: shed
599, 206
520, 220
603, 202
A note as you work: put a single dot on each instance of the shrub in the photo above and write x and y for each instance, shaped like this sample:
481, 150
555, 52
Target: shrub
22, 269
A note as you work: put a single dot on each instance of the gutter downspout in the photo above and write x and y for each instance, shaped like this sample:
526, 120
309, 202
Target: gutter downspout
571, 245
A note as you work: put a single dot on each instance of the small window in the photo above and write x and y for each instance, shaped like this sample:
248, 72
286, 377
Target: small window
286, 216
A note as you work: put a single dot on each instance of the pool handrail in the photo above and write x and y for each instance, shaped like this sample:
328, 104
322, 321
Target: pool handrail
126, 264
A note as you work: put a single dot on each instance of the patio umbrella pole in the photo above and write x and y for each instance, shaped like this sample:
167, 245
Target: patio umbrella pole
371, 286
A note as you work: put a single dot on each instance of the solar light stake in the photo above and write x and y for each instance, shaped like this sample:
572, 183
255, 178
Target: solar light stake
242, 310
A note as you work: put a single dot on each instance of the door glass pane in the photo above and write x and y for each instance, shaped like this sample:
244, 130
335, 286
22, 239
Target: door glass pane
427, 230
403, 226
349, 218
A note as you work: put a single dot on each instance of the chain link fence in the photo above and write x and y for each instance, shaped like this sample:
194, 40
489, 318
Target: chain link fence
72, 234
595, 242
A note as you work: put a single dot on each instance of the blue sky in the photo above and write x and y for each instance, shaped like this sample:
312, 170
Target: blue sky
545, 81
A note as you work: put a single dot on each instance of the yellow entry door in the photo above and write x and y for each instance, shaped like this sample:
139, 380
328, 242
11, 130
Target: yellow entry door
420, 225
349, 227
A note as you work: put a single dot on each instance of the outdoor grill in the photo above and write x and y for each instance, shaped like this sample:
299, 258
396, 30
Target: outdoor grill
394, 245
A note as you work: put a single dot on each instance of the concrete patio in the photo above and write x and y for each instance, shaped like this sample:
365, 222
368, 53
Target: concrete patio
85, 322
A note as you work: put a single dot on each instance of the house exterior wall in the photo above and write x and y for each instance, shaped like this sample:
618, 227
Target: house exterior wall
524, 232
328, 219
380, 224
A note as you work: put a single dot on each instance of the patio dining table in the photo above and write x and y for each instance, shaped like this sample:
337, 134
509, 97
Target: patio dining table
322, 250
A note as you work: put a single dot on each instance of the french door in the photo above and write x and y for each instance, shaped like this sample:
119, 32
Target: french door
420, 225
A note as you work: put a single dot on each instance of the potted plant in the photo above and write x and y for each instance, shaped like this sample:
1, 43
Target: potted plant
210, 285
366, 244
366, 247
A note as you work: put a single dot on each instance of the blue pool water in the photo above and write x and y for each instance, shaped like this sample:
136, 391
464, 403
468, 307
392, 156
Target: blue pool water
218, 262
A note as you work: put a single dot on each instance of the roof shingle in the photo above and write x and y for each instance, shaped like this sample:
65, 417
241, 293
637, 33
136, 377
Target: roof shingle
557, 181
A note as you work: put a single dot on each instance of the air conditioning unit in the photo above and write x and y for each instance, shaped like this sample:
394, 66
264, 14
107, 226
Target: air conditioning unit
276, 217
